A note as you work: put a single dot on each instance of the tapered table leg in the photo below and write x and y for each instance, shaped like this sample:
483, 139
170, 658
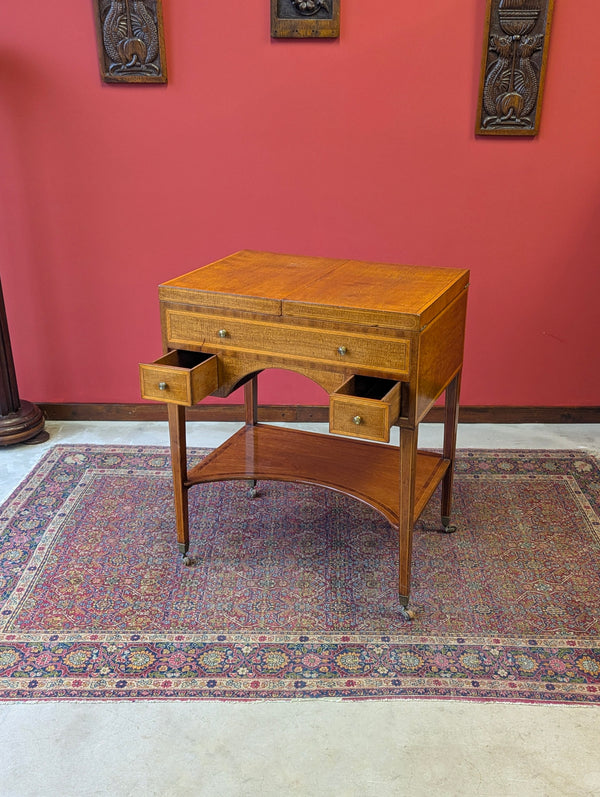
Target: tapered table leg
251, 401
450, 429
408, 459
177, 437
251, 410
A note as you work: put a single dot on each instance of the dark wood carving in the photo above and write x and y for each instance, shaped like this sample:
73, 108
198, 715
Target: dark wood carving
131, 44
305, 19
513, 67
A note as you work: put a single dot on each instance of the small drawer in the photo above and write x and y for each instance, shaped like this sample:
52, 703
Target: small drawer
180, 377
365, 407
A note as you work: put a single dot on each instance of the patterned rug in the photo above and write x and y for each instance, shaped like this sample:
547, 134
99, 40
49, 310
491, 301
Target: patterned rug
294, 592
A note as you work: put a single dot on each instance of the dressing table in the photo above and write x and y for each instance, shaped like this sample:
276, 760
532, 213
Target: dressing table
384, 341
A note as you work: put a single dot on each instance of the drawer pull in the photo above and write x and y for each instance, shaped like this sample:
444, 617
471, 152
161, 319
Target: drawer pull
342, 350
222, 333
162, 385
357, 420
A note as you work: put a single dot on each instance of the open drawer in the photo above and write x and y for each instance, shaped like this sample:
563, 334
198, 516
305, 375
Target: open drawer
180, 377
365, 406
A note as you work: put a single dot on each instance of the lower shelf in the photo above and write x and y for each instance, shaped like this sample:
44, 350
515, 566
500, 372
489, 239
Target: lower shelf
367, 471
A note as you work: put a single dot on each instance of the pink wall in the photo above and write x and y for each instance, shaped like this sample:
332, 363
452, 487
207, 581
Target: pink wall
361, 147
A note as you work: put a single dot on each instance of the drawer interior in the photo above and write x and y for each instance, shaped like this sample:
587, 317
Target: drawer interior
179, 358
368, 387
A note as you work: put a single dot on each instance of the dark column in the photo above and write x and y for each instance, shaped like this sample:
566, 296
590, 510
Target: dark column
20, 421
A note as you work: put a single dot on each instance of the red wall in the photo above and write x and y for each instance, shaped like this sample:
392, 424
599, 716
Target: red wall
361, 147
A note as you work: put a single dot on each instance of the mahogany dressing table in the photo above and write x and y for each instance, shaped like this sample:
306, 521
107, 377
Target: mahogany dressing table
385, 341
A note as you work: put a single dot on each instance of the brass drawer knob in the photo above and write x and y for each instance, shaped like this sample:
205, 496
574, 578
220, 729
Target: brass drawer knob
222, 333
357, 420
162, 385
342, 350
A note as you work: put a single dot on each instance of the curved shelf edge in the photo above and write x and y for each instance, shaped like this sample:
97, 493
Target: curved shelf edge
363, 470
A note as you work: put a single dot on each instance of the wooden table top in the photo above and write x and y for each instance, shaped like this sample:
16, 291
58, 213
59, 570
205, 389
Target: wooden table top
320, 288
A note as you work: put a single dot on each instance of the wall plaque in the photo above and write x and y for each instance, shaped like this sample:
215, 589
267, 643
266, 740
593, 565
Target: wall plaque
302, 19
131, 44
513, 67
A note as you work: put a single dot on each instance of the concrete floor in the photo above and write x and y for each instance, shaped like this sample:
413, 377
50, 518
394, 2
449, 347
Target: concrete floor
379, 748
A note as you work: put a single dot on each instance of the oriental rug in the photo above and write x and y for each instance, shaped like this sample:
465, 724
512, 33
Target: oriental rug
294, 593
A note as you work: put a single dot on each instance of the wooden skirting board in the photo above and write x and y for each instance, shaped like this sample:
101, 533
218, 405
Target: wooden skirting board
308, 414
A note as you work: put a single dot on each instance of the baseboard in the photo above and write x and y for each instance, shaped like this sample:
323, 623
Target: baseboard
308, 414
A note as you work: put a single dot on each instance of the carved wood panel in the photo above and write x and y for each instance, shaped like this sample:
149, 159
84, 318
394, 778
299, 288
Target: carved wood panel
131, 45
305, 18
513, 67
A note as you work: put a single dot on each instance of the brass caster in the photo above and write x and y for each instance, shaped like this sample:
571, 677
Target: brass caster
188, 561
407, 614
447, 527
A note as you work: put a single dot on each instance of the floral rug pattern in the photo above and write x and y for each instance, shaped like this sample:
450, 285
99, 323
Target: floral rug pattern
293, 594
